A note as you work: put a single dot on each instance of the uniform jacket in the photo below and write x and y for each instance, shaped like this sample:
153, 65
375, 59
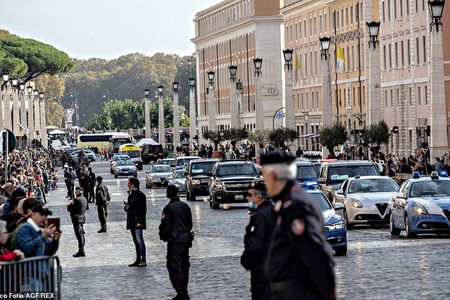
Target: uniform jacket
101, 194
176, 222
83, 179
137, 209
92, 177
299, 250
78, 208
257, 236
71, 177
33, 244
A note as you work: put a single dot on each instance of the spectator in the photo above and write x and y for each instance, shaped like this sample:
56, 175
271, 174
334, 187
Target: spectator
438, 166
5, 253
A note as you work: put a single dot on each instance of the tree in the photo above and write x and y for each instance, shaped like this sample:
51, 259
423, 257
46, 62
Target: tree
282, 136
212, 136
333, 136
53, 87
235, 135
377, 134
259, 137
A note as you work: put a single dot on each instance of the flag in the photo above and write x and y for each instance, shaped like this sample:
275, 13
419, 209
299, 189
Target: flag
340, 59
296, 65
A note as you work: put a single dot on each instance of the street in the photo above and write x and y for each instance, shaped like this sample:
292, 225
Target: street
377, 266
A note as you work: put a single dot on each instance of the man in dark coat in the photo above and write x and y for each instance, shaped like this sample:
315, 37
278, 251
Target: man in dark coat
102, 199
77, 209
257, 240
300, 261
71, 183
91, 176
83, 179
175, 229
136, 208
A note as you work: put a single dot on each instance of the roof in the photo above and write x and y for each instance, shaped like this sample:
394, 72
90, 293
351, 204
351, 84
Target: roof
348, 162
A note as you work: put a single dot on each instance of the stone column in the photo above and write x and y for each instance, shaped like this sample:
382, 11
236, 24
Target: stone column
30, 123
15, 109
259, 110
327, 103
212, 108
7, 108
37, 119
43, 131
161, 128
438, 117
289, 99
373, 90
23, 111
148, 129
192, 115
234, 105
176, 120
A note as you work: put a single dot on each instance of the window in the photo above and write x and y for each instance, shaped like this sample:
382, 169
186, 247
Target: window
325, 22
337, 19
313, 102
390, 56
310, 27
424, 50
351, 15
383, 12
306, 65
304, 28
320, 24
395, 9
346, 16
315, 26
410, 96
384, 57
417, 51
408, 48
417, 6
300, 29
396, 54
419, 98
426, 95
385, 99
401, 7
389, 10
392, 98
407, 7
402, 54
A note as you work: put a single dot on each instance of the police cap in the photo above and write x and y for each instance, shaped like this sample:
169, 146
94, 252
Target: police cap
277, 157
79, 188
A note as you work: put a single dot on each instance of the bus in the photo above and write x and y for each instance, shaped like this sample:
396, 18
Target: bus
98, 141
134, 152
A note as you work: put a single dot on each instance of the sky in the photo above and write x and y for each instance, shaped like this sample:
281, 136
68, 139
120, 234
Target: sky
106, 28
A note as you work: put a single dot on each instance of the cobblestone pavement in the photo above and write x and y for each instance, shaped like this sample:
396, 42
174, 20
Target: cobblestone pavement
377, 266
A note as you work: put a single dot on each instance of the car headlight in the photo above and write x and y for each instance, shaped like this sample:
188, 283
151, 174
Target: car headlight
219, 185
334, 226
420, 209
177, 185
357, 204
117, 170
196, 181
133, 169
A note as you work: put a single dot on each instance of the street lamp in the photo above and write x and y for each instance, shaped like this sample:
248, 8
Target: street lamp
234, 114
43, 120
259, 112
289, 93
324, 47
147, 115
374, 28
192, 111
436, 8
161, 127
257, 62
233, 70
212, 103
176, 117
287, 54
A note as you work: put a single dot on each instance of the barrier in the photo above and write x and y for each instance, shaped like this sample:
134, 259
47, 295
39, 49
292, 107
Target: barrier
31, 275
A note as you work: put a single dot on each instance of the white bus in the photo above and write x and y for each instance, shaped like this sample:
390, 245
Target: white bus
99, 141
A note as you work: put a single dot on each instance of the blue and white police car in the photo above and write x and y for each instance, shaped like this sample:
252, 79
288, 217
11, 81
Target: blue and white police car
335, 228
422, 205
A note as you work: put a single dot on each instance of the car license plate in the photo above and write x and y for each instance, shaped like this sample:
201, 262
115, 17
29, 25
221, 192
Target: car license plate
239, 197
204, 180
125, 171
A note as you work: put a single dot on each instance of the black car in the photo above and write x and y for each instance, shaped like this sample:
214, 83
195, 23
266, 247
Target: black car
305, 171
332, 174
197, 178
230, 181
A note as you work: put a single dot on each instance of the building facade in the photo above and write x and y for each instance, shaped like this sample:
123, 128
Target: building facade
234, 32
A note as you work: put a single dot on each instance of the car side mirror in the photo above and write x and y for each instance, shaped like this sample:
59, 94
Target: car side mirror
209, 174
400, 195
340, 192
339, 206
320, 180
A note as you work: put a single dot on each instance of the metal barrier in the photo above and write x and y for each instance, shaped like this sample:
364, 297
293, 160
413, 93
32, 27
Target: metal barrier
40, 274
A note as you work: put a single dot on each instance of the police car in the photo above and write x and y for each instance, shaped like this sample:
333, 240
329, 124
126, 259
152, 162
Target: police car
335, 228
422, 205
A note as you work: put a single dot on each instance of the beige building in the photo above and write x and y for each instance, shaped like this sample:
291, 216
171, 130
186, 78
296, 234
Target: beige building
234, 32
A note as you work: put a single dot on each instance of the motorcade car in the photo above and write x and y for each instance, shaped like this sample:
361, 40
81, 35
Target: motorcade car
422, 205
125, 168
335, 229
115, 159
88, 153
230, 180
305, 171
134, 152
366, 199
333, 173
178, 179
196, 177
165, 161
157, 175
181, 162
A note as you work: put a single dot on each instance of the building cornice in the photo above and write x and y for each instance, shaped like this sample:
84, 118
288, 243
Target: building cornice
213, 9
294, 7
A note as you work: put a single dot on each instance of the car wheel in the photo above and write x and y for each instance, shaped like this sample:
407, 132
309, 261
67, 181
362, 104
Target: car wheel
394, 230
112, 171
213, 204
192, 196
341, 251
349, 226
135, 174
147, 186
409, 234
116, 176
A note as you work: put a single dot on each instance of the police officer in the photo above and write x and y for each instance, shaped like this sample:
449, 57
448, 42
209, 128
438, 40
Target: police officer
77, 209
91, 176
175, 229
102, 199
71, 182
83, 179
257, 240
300, 261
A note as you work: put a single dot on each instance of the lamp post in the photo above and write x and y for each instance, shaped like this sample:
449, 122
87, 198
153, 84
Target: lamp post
212, 104
4, 77
43, 121
374, 113
438, 124
288, 90
108, 101
234, 113
192, 110
176, 115
327, 103
161, 128
14, 96
37, 113
259, 111
73, 94
23, 110
30, 124
147, 116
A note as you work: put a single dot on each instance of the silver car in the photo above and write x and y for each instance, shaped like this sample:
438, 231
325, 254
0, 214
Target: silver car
366, 199
125, 168
157, 175
178, 178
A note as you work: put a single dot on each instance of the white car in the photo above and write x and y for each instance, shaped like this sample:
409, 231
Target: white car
366, 199
157, 175
178, 179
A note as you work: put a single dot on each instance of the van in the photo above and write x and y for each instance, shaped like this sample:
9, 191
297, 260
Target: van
59, 145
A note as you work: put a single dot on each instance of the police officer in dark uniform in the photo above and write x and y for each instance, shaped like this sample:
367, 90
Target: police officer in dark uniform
71, 182
176, 230
257, 240
102, 199
83, 179
300, 261
92, 177
77, 209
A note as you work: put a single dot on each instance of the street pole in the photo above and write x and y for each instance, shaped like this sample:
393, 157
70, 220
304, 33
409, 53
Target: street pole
192, 111
161, 127
233, 98
259, 111
148, 129
176, 117
327, 104
6, 143
288, 90
212, 103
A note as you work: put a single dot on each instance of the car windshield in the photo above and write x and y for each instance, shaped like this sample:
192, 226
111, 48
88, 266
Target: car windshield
161, 169
202, 168
237, 170
179, 175
183, 161
322, 201
167, 162
372, 185
120, 158
306, 172
338, 174
434, 188
125, 162
133, 153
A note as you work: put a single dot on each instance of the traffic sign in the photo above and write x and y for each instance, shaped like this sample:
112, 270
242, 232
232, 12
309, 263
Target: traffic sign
395, 129
11, 142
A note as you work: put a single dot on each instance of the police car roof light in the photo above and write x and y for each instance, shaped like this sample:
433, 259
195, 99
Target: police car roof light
434, 175
309, 185
443, 173
357, 176
416, 175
